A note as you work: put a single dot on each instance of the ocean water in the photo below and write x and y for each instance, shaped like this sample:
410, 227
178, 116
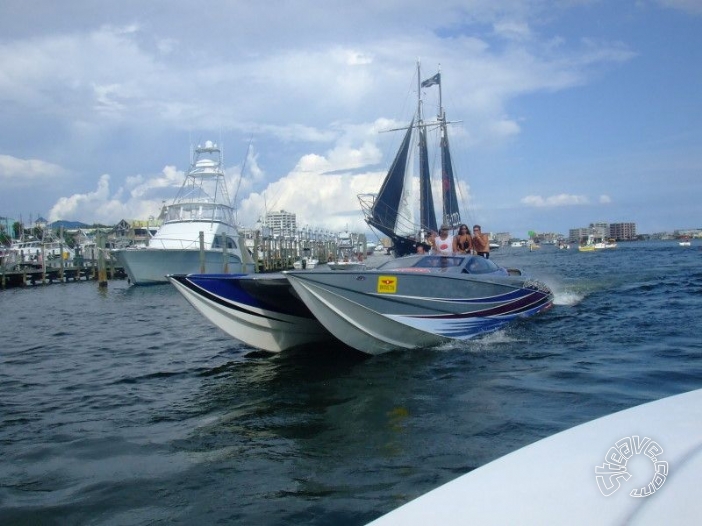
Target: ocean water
125, 407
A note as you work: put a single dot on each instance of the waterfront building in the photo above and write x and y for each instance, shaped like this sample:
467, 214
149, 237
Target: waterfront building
575, 235
622, 231
281, 223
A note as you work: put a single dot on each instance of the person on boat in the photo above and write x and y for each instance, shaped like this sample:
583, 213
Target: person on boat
442, 244
420, 249
481, 243
462, 242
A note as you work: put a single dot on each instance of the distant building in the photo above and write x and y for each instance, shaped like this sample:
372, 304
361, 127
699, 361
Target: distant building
575, 235
502, 238
7, 225
281, 223
601, 230
622, 231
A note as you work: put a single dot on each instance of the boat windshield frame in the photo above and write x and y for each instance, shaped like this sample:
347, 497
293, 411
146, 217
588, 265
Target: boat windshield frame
454, 264
198, 211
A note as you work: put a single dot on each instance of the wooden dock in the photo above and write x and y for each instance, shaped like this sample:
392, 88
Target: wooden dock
32, 276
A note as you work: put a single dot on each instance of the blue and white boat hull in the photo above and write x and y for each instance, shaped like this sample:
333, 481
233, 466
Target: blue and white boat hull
406, 308
259, 310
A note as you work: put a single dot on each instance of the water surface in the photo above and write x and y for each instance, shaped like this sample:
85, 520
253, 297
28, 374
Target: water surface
124, 406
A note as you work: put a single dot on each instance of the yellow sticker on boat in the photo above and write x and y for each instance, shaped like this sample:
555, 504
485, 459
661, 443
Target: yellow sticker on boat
387, 284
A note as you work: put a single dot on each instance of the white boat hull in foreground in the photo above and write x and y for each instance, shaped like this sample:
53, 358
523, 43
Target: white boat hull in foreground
554, 481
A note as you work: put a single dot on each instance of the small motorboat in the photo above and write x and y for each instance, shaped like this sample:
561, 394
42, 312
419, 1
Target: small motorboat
306, 262
418, 301
260, 310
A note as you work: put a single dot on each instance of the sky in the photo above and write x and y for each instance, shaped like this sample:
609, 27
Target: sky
570, 111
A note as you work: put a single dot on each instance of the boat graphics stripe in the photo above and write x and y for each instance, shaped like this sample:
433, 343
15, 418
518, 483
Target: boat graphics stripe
523, 305
246, 304
461, 327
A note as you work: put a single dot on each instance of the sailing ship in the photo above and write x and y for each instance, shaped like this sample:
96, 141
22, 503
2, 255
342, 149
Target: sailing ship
385, 211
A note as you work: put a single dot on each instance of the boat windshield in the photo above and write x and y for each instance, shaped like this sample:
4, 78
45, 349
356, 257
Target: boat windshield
198, 212
465, 264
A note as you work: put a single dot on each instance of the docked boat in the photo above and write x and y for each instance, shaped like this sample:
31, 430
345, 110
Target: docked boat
352, 264
39, 252
418, 301
198, 234
260, 310
387, 211
305, 262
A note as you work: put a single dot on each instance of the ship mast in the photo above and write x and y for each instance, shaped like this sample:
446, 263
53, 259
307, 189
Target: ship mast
427, 215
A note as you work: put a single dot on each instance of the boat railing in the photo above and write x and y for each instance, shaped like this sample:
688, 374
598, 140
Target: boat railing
177, 243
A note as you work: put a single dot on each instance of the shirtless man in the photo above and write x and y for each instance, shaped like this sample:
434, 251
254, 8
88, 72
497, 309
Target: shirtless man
481, 243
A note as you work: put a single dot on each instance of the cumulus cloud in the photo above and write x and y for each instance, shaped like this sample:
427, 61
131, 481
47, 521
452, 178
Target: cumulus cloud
140, 198
605, 199
322, 193
555, 200
16, 173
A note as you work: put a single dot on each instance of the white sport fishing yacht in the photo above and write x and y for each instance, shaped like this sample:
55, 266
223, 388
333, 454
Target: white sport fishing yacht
202, 206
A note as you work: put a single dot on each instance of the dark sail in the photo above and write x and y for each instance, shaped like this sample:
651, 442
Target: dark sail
427, 215
452, 215
382, 212
387, 203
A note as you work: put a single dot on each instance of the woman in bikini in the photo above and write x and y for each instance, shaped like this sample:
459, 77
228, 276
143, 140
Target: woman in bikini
462, 242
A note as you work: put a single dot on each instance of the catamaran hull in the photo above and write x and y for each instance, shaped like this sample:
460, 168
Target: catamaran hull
260, 311
149, 266
376, 313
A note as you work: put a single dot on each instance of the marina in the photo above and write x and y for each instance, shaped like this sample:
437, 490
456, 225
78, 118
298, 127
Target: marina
274, 254
124, 406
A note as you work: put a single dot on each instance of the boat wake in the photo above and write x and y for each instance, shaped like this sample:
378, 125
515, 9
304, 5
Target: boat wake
480, 343
568, 298
565, 295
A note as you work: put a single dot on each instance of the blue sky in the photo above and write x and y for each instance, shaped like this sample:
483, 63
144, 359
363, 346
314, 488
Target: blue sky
572, 111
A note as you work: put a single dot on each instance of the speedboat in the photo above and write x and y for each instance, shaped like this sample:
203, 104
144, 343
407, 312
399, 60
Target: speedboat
198, 232
418, 301
260, 310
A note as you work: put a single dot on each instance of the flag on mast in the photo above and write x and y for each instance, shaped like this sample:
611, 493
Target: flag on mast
436, 79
